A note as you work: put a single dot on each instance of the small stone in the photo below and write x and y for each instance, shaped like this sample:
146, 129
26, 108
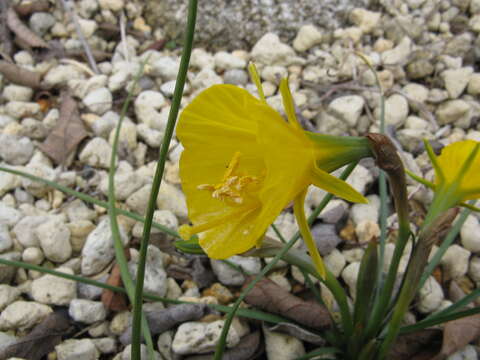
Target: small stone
367, 231
61, 74
5, 239
350, 275
15, 150
417, 92
334, 211
54, 238
105, 345
98, 250
146, 105
99, 101
41, 22
155, 279
280, 346
171, 198
399, 54
8, 272
236, 77
269, 50
430, 296
455, 261
335, 262
366, 212
125, 184
360, 178
127, 135
138, 200
119, 323
347, 108
166, 67
127, 352
8, 294
77, 210
54, 290
164, 345
396, 110
228, 276
365, 20
77, 349
14, 92
474, 84
469, 234
202, 59
87, 311
206, 78
307, 37
8, 215
82, 88
23, 315
274, 73
114, 5
161, 217
453, 111
24, 230
474, 269
227, 61
198, 337
220, 292
326, 238
456, 80
420, 69
96, 153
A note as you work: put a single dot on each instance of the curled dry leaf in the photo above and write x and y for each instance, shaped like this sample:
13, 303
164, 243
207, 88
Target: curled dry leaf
248, 348
67, 133
6, 44
160, 321
271, 297
27, 8
23, 33
112, 300
41, 340
19, 75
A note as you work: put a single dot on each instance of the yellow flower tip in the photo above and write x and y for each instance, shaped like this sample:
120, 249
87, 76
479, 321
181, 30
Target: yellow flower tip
185, 232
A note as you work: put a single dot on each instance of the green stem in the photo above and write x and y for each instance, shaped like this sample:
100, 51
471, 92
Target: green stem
172, 117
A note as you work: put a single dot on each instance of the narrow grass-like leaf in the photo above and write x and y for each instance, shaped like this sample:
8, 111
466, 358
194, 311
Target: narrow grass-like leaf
228, 321
172, 118
318, 352
117, 242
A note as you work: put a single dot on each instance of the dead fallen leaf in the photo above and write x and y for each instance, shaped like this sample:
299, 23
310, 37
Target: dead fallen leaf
19, 75
27, 8
112, 300
457, 334
41, 340
67, 133
5, 35
420, 345
162, 320
23, 33
271, 297
248, 348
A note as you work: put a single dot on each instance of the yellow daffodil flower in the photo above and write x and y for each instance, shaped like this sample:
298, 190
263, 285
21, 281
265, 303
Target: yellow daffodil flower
242, 164
457, 174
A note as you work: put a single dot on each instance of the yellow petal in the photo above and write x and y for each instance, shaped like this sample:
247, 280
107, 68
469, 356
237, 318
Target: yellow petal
288, 104
335, 186
252, 69
439, 174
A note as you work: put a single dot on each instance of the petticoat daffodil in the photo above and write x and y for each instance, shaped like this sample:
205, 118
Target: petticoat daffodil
243, 163
457, 174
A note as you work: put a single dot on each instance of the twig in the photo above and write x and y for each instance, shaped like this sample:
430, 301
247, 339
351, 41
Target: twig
67, 5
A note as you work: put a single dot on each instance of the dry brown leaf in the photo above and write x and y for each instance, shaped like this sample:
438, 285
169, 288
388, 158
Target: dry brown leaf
6, 43
41, 340
23, 33
269, 296
27, 8
67, 133
420, 345
112, 300
19, 75
457, 334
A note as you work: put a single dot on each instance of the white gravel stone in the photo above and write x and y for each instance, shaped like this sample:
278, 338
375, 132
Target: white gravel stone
125, 184
396, 110
33, 255
5, 239
399, 54
87, 311
455, 261
127, 352
474, 269
43, 171
7, 272
360, 178
454, 111
280, 346
41, 22
365, 20
14, 92
349, 275
202, 59
206, 78
164, 344
99, 100
151, 137
8, 294
105, 345
467, 353
96, 153
21, 109
155, 280
307, 37
138, 200
173, 199
81, 88
24, 230
198, 337
77, 349
366, 212
456, 80
146, 105
77, 210
8, 215
61, 74
162, 217
274, 73
366, 231
15, 150
23, 315
269, 50
470, 234
227, 61
54, 290
228, 276
430, 296
54, 238
347, 108
166, 67
335, 262
474, 84
127, 136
